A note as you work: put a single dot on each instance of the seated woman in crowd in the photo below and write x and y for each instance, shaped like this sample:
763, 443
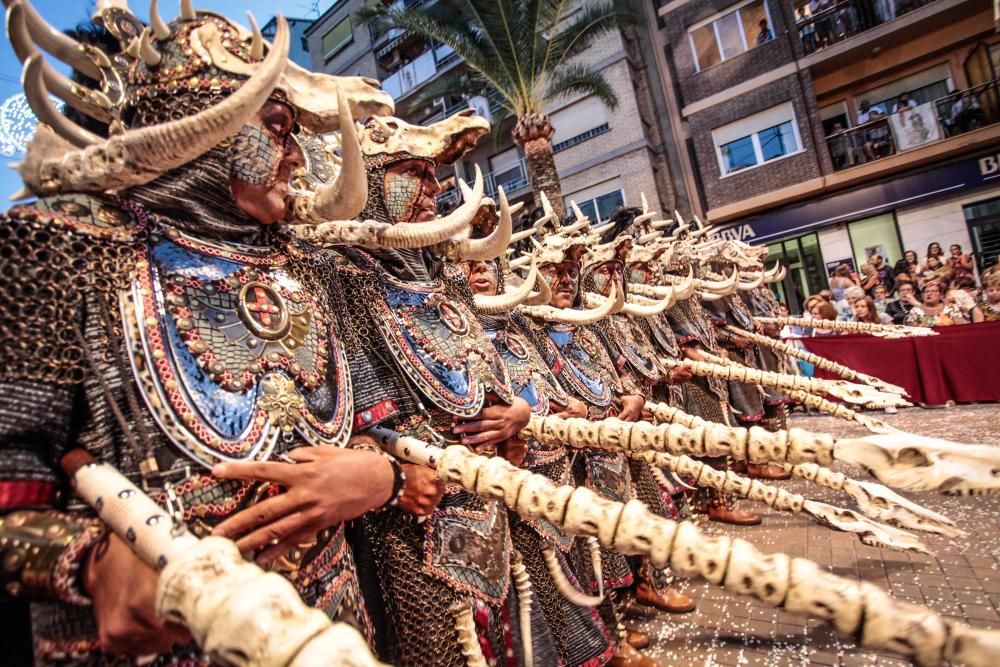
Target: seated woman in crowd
821, 309
842, 279
935, 311
865, 311
899, 309
909, 264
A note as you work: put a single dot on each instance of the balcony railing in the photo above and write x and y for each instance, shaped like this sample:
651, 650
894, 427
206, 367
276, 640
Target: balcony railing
414, 73
834, 22
512, 178
918, 126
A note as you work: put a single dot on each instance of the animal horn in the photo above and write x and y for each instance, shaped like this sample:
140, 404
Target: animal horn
507, 301
652, 309
160, 28
542, 296
149, 54
345, 197
257, 43
517, 237
756, 282
600, 229
63, 47
38, 99
520, 262
187, 11
577, 213
493, 245
141, 155
612, 304
93, 103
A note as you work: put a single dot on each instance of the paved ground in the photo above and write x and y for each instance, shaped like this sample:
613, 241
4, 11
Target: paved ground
961, 579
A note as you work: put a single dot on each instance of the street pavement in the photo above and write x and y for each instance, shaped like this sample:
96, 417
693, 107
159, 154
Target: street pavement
960, 580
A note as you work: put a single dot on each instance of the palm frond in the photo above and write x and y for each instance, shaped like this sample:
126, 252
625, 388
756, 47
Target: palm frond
453, 30
591, 23
468, 85
576, 79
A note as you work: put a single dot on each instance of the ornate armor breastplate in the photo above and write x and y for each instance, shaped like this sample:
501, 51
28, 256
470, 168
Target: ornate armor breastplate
663, 336
637, 348
582, 363
530, 378
230, 350
440, 345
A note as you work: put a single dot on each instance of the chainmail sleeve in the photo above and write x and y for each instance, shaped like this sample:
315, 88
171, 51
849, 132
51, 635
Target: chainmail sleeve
47, 268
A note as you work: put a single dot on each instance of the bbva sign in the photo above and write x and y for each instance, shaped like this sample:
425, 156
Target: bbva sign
742, 232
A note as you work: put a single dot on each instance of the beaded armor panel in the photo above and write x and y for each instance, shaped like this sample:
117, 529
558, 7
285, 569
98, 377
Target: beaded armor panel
579, 360
530, 378
637, 348
230, 350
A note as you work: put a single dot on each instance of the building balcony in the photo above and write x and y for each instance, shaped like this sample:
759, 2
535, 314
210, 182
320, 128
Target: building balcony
843, 20
418, 71
919, 126
513, 179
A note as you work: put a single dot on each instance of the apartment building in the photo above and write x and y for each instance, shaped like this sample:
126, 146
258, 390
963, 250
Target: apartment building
833, 130
298, 46
605, 158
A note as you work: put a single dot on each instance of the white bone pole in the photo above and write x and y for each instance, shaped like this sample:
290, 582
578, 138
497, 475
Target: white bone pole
856, 609
825, 364
881, 330
238, 614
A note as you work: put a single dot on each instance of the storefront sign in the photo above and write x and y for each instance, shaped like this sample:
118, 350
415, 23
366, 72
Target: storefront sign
943, 180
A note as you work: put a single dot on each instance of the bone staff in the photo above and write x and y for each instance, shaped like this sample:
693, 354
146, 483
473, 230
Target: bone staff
854, 393
237, 613
870, 532
901, 460
843, 371
875, 501
818, 402
884, 330
856, 609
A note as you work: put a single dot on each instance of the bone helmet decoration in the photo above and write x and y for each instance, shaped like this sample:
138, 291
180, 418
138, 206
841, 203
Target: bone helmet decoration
609, 305
209, 54
493, 245
635, 306
901, 460
442, 142
238, 614
373, 234
799, 586
510, 299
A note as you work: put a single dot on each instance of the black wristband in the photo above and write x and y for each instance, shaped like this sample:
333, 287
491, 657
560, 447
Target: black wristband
398, 483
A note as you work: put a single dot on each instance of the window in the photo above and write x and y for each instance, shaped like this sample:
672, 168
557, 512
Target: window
925, 86
337, 38
983, 219
600, 209
757, 139
728, 35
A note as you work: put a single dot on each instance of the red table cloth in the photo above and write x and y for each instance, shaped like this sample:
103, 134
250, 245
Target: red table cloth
960, 364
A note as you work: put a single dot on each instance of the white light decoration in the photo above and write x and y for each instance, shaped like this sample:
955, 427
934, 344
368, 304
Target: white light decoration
17, 124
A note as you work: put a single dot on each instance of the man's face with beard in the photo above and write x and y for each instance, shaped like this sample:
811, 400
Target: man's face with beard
263, 156
564, 281
411, 187
640, 272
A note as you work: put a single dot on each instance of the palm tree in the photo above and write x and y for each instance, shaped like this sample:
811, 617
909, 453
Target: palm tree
520, 53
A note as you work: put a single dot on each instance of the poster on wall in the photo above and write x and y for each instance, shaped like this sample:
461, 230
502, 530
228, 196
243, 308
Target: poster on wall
832, 266
879, 250
914, 126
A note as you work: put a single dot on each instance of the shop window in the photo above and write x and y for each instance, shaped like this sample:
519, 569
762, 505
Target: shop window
983, 219
877, 235
757, 139
730, 34
337, 38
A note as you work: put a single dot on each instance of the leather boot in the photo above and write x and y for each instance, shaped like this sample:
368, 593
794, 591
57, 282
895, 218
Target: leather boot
764, 471
671, 600
636, 639
733, 515
626, 656
639, 612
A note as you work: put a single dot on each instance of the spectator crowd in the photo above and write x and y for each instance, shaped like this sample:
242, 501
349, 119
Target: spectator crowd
934, 290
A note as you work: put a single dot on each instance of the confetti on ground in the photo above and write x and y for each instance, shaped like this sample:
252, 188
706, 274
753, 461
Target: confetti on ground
961, 579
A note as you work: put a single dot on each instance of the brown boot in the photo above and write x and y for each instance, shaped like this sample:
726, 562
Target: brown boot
626, 656
732, 515
671, 600
639, 612
764, 471
636, 639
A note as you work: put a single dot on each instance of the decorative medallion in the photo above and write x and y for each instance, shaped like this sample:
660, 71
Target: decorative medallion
263, 311
582, 364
